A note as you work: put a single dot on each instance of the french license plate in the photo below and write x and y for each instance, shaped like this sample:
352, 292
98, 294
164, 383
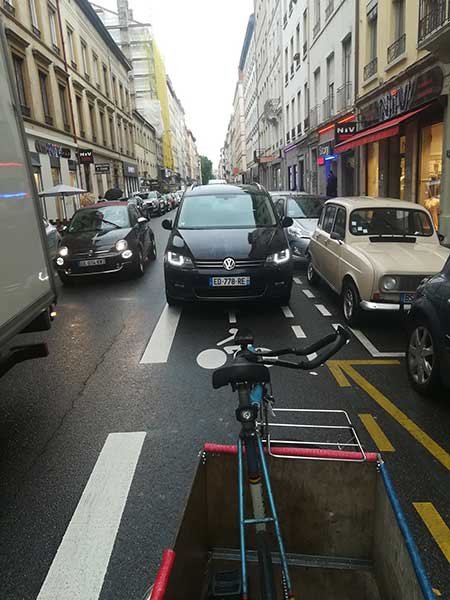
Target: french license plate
407, 298
92, 263
229, 281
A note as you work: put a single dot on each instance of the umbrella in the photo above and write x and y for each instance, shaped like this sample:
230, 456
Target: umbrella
62, 190
113, 194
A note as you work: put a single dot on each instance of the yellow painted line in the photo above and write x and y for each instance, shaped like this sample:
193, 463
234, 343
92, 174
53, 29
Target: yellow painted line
418, 434
377, 434
337, 368
435, 525
338, 374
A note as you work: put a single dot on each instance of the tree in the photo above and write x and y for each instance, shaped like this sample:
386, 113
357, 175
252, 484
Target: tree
207, 173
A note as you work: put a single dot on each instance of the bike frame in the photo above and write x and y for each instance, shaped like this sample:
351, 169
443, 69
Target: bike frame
250, 440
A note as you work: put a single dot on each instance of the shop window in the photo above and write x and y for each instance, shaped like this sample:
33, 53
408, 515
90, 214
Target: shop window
38, 179
402, 167
373, 151
431, 169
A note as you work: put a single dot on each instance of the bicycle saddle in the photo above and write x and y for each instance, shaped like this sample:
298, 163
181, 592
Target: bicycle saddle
241, 373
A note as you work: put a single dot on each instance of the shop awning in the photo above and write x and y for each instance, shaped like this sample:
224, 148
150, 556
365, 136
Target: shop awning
376, 133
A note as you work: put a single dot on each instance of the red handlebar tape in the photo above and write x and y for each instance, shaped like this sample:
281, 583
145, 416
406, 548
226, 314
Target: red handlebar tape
303, 452
162, 578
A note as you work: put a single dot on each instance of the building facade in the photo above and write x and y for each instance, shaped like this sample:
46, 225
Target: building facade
146, 152
247, 66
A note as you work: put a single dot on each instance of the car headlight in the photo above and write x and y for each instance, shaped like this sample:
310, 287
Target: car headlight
279, 257
59, 261
63, 251
389, 283
121, 245
178, 260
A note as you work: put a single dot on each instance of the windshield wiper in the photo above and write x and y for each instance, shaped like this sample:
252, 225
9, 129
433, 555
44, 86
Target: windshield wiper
111, 223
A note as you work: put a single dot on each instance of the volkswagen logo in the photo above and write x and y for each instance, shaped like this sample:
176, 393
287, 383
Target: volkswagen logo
91, 253
229, 264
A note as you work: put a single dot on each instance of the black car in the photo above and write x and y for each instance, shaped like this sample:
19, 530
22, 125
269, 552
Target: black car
428, 349
227, 243
106, 237
153, 202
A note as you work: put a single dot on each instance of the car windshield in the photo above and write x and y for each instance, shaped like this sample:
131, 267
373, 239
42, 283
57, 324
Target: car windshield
390, 222
100, 219
232, 211
304, 207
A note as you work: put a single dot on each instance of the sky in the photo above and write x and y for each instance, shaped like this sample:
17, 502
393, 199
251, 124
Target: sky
201, 41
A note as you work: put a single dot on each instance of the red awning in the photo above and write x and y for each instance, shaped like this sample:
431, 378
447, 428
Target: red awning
376, 133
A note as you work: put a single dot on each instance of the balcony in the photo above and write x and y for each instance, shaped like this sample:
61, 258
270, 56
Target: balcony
371, 69
434, 27
328, 107
329, 9
56, 49
293, 134
299, 129
316, 29
314, 115
396, 49
67, 127
344, 97
25, 110
94, 139
36, 31
48, 120
82, 133
306, 124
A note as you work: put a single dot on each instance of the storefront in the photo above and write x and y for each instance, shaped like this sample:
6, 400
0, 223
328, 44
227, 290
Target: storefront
131, 177
401, 141
294, 178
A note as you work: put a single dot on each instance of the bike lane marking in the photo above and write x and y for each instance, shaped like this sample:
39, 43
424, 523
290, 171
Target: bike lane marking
376, 433
297, 280
80, 564
435, 525
308, 293
298, 331
371, 348
160, 343
232, 317
323, 310
287, 312
342, 370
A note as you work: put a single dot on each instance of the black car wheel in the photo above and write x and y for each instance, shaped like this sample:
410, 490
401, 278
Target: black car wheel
350, 303
139, 265
311, 275
152, 253
422, 359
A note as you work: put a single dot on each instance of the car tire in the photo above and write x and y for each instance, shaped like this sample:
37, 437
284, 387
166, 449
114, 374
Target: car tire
139, 266
350, 303
311, 274
422, 359
65, 279
152, 253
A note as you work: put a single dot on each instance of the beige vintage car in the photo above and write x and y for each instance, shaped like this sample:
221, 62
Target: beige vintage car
374, 252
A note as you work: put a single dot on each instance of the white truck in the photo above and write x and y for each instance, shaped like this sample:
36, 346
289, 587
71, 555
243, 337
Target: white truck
27, 286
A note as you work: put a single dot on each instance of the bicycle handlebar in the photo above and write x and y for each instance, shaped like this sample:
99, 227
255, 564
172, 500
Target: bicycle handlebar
331, 344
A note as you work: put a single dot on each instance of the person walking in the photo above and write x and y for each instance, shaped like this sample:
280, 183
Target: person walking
331, 185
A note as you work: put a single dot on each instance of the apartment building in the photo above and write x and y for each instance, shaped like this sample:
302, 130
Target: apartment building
247, 66
146, 152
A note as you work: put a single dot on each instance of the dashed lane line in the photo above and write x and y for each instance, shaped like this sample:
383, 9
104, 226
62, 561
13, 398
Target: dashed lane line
312, 356
297, 280
80, 564
160, 343
376, 433
308, 293
323, 310
287, 312
232, 317
298, 331
371, 348
435, 525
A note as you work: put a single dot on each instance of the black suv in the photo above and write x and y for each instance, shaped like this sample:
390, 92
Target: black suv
428, 350
227, 243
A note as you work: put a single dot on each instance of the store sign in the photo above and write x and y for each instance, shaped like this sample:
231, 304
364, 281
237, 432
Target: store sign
404, 97
52, 150
326, 149
344, 132
130, 169
85, 156
102, 168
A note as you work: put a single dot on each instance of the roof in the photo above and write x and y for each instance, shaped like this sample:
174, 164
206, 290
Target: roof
215, 188
247, 40
297, 193
374, 202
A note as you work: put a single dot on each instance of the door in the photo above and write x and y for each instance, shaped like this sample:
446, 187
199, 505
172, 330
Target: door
279, 207
334, 248
322, 238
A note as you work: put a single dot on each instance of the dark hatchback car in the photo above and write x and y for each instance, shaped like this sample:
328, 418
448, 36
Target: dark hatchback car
106, 237
428, 325
227, 243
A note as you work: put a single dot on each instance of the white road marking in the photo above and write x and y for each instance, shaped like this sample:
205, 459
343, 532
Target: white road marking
232, 317
297, 280
308, 293
323, 310
287, 312
371, 348
336, 325
160, 344
298, 331
312, 356
212, 358
80, 564
233, 332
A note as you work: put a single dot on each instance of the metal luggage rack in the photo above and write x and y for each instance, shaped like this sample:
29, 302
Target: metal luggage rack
351, 441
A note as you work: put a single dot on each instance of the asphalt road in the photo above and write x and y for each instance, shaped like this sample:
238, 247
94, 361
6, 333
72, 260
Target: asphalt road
57, 414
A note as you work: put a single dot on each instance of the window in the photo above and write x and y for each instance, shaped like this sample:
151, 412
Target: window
33, 14
92, 122
431, 145
316, 16
63, 101
84, 58
328, 219
53, 27
390, 222
79, 102
279, 207
114, 83
297, 39
71, 45
306, 100
373, 33
292, 49
299, 110
44, 96
305, 33
287, 118
346, 59
330, 81
105, 80
102, 127
111, 132
317, 86
121, 95
96, 69
399, 19
339, 223
20, 82
293, 114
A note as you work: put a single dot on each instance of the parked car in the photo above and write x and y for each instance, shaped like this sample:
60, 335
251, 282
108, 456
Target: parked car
53, 238
105, 238
374, 252
227, 243
217, 182
305, 209
428, 327
169, 201
153, 202
141, 205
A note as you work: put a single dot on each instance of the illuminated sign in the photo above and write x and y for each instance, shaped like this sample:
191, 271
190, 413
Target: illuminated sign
85, 156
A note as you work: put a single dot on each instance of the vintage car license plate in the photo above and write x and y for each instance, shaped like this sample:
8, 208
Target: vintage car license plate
92, 263
407, 298
229, 281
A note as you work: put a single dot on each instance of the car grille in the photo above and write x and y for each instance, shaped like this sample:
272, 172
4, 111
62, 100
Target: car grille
410, 283
218, 264
226, 292
86, 255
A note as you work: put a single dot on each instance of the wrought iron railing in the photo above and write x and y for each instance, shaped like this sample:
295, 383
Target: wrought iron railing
328, 107
432, 16
371, 68
329, 9
314, 116
344, 96
396, 49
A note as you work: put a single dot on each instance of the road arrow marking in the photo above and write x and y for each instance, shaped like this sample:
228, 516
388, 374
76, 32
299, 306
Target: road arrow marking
359, 335
344, 369
376, 433
435, 525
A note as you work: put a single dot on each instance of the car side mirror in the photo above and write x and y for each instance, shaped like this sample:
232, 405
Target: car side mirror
336, 236
167, 224
441, 237
287, 222
142, 220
